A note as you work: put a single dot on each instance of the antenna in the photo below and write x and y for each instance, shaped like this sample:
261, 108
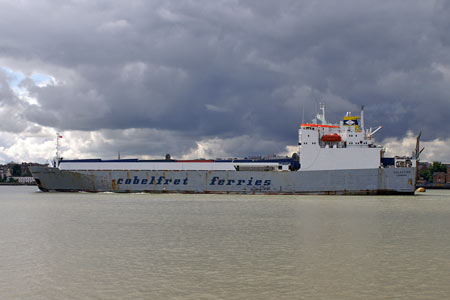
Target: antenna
303, 113
315, 106
362, 120
322, 108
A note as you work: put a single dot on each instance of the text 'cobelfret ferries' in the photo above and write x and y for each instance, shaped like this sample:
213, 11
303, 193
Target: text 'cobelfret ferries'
162, 180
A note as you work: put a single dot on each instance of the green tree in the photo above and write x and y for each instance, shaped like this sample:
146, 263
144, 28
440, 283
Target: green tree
11, 180
435, 167
16, 170
425, 174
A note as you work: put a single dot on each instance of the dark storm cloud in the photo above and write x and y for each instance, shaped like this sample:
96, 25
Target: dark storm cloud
202, 69
11, 120
441, 21
133, 143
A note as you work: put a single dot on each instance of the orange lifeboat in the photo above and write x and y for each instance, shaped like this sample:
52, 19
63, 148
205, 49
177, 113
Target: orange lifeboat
331, 138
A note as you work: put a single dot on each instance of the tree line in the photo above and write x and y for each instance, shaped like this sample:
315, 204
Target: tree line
435, 167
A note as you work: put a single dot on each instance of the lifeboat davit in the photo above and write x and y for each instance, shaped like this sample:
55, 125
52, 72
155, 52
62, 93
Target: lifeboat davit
331, 138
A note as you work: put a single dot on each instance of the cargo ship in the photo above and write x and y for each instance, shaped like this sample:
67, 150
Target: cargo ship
332, 158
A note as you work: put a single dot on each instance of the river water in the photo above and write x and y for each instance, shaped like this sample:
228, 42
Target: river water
143, 246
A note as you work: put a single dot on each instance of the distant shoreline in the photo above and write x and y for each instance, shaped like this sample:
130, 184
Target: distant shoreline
13, 183
437, 186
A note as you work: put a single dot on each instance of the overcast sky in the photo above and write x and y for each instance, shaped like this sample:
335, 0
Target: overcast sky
223, 78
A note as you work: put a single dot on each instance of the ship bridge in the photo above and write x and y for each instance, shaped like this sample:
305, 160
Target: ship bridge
345, 145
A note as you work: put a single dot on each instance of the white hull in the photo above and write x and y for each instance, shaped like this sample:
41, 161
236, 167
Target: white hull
348, 182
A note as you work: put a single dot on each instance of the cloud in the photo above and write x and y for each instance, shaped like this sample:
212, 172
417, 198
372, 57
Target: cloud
434, 150
34, 143
11, 120
192, 73
113, 26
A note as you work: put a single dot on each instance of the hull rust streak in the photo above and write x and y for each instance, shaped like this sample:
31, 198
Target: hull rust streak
341, 182
332, 159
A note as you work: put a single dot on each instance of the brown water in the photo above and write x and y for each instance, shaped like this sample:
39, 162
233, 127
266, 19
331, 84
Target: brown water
141, 246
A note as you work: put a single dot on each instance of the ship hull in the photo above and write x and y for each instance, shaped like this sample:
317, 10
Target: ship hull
386, 181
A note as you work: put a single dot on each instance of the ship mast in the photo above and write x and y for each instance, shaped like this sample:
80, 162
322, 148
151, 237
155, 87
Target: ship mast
57, 145
321, 117
57, 158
